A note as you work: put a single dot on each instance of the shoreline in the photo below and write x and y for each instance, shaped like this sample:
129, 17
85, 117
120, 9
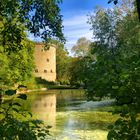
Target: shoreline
24, 91
31, 90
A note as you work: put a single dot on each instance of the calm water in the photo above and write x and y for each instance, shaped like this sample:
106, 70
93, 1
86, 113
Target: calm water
70, 115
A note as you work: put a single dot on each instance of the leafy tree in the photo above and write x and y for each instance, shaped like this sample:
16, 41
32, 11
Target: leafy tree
82, 47
62, 64
16, 58
114, 71
42, 18
79, 63
17, 17
103, 26
79, 70
137, 3
72, 69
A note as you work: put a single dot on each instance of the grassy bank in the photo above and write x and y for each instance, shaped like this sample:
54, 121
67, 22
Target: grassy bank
41, 84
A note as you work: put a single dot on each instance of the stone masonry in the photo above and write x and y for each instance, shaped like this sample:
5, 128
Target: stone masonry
45, 61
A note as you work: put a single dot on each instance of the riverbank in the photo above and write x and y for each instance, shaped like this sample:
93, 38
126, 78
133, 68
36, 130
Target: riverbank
45, 88
30, 90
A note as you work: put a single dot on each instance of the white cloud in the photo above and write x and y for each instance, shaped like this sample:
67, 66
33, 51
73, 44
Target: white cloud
75, 20
76, 27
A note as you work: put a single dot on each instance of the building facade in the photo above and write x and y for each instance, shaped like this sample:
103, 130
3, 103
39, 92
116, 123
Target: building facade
45, 61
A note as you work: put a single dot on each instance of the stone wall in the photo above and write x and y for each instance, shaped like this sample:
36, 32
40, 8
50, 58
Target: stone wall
45, 61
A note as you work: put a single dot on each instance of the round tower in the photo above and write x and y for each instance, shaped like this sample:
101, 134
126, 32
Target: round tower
45, 61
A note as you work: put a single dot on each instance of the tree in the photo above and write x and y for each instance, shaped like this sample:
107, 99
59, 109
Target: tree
79, 63
42, 18
17, 17
79, 70
137, 3
82, 47
62, 64
114, 71
103, 26
17, 61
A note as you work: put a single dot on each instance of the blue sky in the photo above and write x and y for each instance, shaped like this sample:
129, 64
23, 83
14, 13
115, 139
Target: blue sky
75, 19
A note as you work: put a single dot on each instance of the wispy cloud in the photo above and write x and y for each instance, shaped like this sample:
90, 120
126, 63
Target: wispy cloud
75, 20
76, 27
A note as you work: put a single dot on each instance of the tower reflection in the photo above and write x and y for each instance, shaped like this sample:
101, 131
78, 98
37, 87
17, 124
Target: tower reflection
44, 108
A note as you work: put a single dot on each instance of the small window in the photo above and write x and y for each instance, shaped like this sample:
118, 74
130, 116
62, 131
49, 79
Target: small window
36, 70
47, 59
51, 71
45, 71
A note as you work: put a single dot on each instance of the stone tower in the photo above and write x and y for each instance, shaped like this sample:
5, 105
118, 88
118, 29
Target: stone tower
45, 61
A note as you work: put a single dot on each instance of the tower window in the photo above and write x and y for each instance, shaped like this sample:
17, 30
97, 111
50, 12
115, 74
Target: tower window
45, 71
51, 71
36, 70
47, 60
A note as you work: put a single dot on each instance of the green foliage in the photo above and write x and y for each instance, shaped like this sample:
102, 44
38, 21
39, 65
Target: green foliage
114, 71
79, 63
18, 124
126, 129
42, 18
82, 47
62, 64
17, 17
72, 70
79, 70
137, 4
103, 26
17, 66
43, 81
16, 53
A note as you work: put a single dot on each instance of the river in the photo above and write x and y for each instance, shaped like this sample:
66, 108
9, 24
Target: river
70, 115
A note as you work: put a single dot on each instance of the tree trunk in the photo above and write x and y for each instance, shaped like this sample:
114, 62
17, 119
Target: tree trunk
138, 8
0, 98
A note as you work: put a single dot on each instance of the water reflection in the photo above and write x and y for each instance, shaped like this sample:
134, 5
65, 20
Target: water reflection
44, 105
72, 117
44, 108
